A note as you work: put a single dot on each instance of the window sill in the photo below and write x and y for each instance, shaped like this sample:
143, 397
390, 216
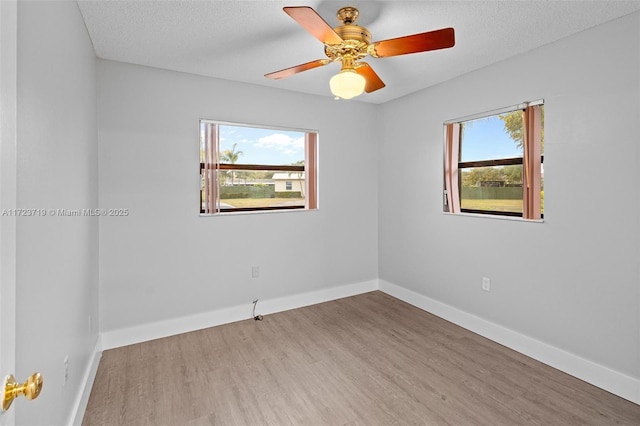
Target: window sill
253, 212
498, 217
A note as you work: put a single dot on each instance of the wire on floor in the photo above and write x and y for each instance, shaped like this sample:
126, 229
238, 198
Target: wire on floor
253, 313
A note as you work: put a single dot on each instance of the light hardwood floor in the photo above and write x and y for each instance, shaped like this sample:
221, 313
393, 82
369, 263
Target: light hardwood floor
370, 359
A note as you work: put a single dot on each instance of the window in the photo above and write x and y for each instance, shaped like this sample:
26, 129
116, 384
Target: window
250, 168
494, 163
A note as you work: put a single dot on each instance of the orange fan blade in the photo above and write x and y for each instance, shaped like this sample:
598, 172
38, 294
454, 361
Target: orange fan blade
432, 40
312, 22
298, 68
373, 81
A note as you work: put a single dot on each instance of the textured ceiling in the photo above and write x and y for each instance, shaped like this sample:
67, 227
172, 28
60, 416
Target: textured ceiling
243, 40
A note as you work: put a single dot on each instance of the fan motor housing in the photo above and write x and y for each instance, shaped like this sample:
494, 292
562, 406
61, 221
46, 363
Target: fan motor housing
353, 32
356, 40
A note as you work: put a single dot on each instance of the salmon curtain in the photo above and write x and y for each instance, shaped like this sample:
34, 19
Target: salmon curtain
210, 168
451, 157
311, 172
532, 141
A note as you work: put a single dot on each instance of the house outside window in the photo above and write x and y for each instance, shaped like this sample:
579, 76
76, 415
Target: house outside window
493, 163
253, 168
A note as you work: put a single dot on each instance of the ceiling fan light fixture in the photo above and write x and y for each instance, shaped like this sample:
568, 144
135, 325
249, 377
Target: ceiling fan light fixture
347, 84
349, 43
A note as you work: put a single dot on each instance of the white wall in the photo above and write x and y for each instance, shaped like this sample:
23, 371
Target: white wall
57, 257
164, 261
572, 281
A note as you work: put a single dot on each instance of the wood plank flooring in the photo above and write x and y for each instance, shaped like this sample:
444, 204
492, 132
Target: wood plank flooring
364, 360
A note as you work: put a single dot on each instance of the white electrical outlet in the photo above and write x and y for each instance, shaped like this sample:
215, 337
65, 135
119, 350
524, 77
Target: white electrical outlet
255, 272
486, 284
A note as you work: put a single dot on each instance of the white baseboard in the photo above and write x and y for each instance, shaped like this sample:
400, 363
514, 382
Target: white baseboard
598, 375
80, 403
160, 329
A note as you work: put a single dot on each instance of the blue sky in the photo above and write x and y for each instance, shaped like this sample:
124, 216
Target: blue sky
263, 146
486, 139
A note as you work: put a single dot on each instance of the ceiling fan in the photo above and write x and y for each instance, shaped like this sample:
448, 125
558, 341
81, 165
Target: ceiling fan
349, 43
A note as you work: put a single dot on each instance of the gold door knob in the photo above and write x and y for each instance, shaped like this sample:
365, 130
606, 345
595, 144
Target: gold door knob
30, 389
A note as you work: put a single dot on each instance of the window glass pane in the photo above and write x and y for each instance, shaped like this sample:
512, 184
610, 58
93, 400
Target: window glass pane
492, 188
255, 168
489, 152
252, 145
259, 189
493, 137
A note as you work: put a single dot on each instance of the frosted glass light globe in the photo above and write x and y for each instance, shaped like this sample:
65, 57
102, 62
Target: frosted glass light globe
347, 84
